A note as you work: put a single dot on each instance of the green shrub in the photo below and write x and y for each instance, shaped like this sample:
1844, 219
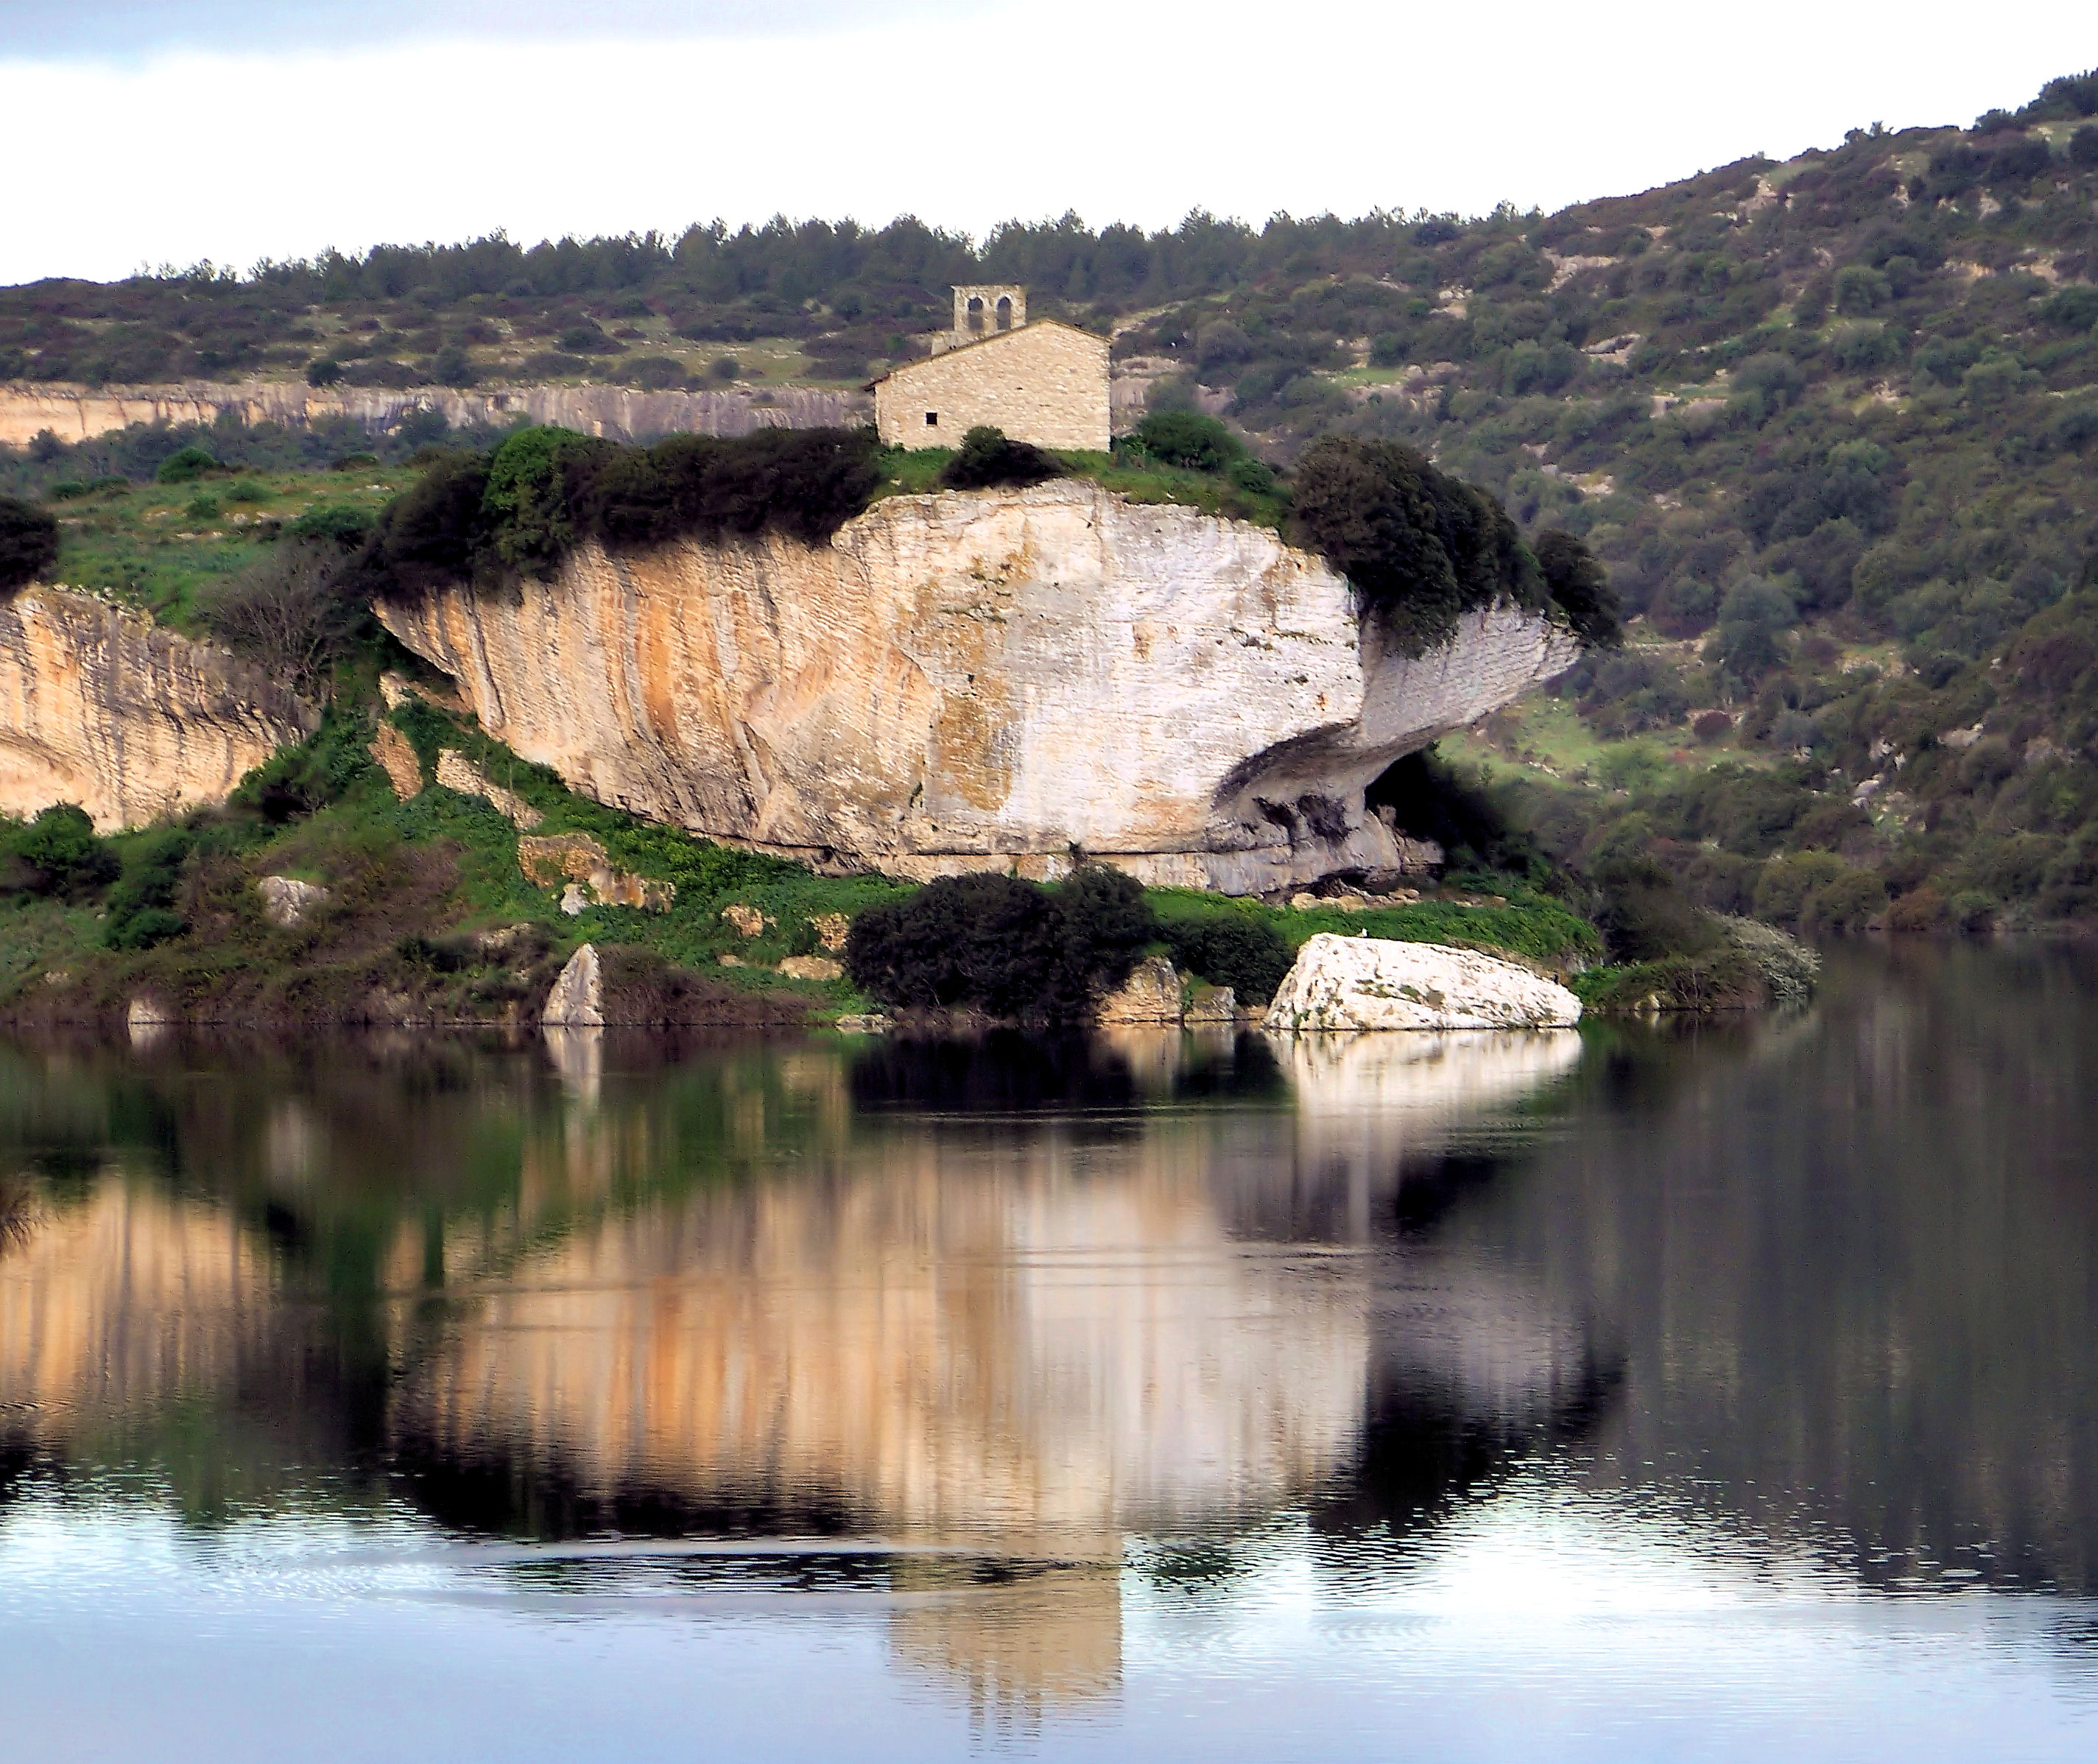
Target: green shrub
1421, 548
248, 490
451, 365
1644, 915
185, 465
58, 853
1188, 438
1787, 884
202, 508
142, 906
323, 370
295, 780
529, 512
435, 532
1846, 903
998, 944
1580, 587
346, 528
988, 457
1230, 948
28, 542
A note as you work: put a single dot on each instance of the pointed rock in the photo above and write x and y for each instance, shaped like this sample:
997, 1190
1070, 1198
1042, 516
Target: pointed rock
576, 999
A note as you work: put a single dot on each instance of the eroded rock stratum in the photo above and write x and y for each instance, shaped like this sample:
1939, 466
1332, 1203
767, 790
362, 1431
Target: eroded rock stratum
102, 708
981, 681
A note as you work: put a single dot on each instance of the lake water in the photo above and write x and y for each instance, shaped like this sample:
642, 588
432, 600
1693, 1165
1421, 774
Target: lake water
1712, 1391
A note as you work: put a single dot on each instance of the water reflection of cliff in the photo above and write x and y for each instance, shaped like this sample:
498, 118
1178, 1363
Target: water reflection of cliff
1020, 1298
1052, 1330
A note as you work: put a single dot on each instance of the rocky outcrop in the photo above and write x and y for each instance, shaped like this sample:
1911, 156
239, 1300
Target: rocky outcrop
983, 681
102, 708
1370, 983
1151, 994
396, 757
582, 869
1157, 994
455, 771
285, 900
577, 998
73, 413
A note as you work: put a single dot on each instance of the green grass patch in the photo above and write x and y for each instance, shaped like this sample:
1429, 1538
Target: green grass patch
916, 472
141, 544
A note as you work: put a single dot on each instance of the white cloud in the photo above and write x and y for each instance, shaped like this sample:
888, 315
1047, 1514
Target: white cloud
1138, 111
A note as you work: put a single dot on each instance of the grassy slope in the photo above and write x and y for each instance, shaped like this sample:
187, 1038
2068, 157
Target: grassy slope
156, 545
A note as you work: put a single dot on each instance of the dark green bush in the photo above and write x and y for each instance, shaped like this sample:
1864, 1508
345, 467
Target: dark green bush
345, 529
1580, 587
988, 457
545, 490
1421, 548
1188, 438
28, 542
1644, 915
451, 365
998, 944
58, 853
1230, 948
185, 465
323, 370
296, 780
434, 533
142, 906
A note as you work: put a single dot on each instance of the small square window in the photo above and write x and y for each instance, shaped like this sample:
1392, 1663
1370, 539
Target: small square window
931, 420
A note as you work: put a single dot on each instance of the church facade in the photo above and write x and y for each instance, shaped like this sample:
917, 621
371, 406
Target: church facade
1045, 382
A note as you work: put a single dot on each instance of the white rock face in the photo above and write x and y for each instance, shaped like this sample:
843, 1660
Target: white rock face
102, 708
577, 998
1151, 994
286, 900
1370, 983
455, 771
981, 681
75, 412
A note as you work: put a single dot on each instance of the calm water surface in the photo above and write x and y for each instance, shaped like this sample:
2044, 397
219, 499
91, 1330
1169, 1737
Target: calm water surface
1707, 1392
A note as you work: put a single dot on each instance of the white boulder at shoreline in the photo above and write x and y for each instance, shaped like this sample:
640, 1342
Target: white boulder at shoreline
1370, 983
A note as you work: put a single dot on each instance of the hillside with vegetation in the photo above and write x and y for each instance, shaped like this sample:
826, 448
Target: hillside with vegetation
1830, 423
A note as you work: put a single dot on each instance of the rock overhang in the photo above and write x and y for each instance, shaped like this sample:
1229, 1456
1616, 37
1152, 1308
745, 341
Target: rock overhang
997, 679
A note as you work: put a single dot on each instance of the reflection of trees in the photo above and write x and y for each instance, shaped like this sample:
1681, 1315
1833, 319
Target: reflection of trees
1853, 1273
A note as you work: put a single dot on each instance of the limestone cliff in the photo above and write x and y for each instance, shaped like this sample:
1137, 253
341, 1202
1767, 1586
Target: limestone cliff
978, 681
102, 708
74, 413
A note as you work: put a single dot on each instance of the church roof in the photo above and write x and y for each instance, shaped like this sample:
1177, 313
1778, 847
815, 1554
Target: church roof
1000, 336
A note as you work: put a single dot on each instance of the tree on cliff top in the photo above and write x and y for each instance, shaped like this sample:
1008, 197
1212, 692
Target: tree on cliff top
1421, 548
28, 543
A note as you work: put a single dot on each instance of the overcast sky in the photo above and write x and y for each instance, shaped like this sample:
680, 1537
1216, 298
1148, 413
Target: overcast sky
151, 131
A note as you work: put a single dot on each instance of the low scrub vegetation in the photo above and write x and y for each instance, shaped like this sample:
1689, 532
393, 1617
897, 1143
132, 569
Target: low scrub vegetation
1001, 945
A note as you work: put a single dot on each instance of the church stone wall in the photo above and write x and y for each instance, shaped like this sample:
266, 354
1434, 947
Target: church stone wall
1046, 384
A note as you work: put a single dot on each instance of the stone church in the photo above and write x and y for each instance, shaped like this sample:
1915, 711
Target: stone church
1045, 383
